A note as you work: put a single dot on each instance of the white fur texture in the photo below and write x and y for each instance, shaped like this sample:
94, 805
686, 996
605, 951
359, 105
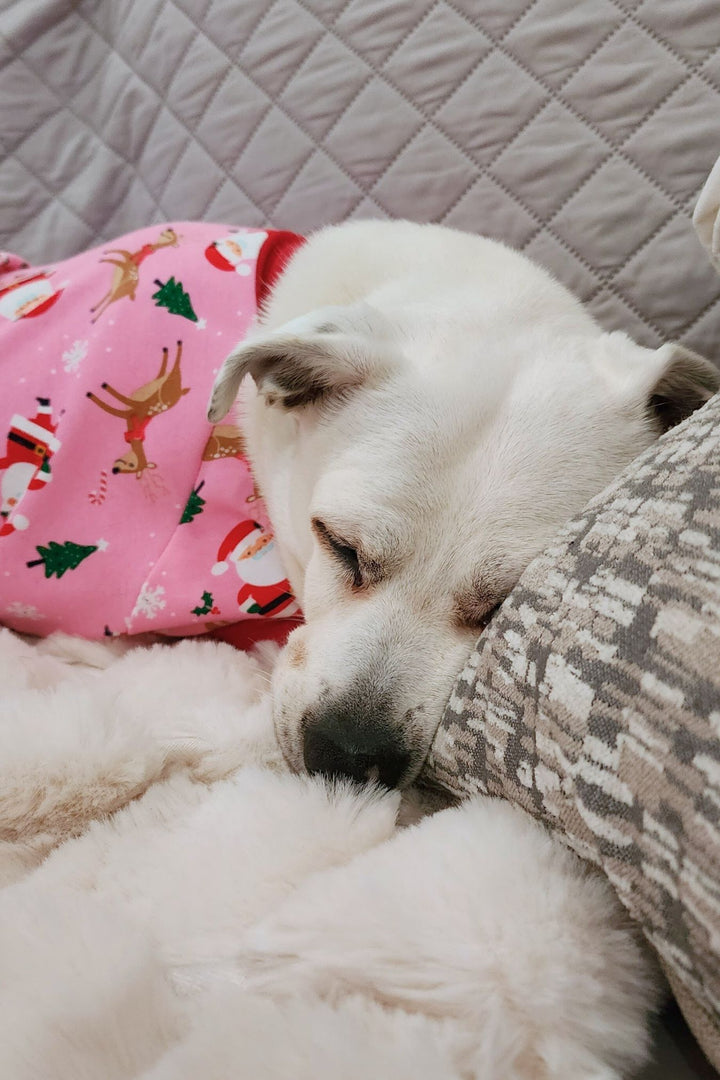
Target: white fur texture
178, 905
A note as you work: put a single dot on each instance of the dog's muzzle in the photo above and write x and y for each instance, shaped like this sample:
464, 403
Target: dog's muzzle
346, 739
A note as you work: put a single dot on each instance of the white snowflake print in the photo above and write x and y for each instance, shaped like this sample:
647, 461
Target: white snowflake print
24, 611
73, 357
149, 602
201, 324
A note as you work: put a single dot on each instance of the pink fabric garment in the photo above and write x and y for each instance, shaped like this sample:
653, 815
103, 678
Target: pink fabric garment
123, 510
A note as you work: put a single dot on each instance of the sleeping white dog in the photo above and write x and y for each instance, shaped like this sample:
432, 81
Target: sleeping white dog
425, 409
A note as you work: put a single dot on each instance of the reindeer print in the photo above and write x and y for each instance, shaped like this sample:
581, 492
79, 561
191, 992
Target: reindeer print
127, 270
149, 400
226, 441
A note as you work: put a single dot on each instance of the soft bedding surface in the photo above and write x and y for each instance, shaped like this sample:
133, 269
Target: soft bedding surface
580, 133
174, 904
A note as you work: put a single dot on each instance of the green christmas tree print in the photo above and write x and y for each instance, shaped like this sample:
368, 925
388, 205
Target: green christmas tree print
194, 505
207, 605
57, 558
172, 296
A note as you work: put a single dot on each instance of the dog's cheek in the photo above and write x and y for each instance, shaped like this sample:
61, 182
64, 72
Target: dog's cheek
433, 672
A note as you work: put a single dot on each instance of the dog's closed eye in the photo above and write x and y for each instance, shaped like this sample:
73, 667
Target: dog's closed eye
344, 552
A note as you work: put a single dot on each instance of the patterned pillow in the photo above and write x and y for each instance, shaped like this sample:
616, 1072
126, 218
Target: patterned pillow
593, 701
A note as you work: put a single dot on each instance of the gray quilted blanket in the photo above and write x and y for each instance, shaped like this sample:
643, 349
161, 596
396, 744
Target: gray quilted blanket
578, 132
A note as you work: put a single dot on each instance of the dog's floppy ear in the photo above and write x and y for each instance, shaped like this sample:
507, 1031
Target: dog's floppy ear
308, 359
687, 380
670, 382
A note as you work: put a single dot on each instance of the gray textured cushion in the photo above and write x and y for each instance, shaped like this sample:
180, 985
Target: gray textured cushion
578, 132
593, 700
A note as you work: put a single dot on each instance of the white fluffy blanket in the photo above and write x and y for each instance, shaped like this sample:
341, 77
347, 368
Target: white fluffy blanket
175, 905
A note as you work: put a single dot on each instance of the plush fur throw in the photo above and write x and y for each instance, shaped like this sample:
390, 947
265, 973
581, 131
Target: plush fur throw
175, 904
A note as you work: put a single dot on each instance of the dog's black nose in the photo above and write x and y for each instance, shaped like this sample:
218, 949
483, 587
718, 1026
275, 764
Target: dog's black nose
337, 743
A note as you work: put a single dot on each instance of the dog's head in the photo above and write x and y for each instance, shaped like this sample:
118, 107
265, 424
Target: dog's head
414, 460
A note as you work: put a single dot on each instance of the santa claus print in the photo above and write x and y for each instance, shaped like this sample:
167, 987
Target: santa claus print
237, 251
29, 296
26, 464
254, 556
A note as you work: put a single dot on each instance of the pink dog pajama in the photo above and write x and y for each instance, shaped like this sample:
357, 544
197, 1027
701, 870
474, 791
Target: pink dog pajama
122, 509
